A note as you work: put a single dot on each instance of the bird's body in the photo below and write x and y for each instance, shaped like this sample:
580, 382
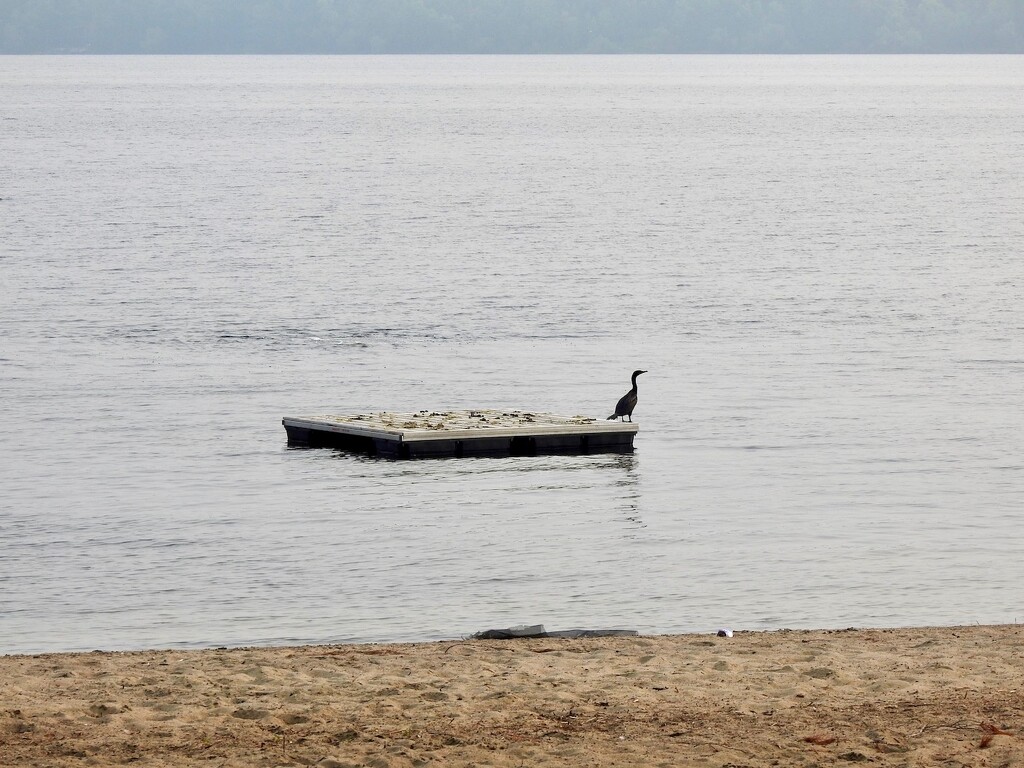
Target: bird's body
627, 402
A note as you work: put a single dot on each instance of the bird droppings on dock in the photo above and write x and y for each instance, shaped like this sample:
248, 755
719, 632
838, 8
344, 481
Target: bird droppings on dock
458, 419
477, 432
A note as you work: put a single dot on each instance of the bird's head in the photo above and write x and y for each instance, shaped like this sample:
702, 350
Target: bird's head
637, 373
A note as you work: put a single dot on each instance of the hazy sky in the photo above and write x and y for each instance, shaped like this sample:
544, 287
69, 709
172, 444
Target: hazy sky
512, 26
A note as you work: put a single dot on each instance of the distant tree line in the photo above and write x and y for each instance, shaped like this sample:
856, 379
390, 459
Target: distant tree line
511, 26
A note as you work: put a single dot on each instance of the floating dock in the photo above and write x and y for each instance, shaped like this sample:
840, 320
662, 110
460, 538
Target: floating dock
431, 434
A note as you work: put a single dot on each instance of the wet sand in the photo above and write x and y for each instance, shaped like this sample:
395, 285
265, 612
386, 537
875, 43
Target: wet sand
922, 696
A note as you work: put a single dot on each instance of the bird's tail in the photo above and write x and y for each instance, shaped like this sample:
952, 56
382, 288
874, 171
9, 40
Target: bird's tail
613, 416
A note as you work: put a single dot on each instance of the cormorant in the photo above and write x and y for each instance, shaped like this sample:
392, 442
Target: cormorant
627, 402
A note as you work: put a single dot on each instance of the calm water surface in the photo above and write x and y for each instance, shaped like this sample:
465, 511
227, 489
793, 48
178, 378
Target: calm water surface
819, 260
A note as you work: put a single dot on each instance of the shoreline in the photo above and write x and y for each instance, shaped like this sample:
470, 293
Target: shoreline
907, 696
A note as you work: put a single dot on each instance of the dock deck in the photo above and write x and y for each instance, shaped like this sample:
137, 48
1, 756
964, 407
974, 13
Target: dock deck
429, 434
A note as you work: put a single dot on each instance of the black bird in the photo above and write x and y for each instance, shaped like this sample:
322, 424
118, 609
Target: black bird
627, 402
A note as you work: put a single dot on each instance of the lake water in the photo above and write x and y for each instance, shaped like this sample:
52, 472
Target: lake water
820, 260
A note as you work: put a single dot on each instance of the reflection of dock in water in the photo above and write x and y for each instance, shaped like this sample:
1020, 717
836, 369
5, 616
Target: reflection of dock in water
430, 434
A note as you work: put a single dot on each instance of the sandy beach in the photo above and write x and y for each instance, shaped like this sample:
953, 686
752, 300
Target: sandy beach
923, 696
